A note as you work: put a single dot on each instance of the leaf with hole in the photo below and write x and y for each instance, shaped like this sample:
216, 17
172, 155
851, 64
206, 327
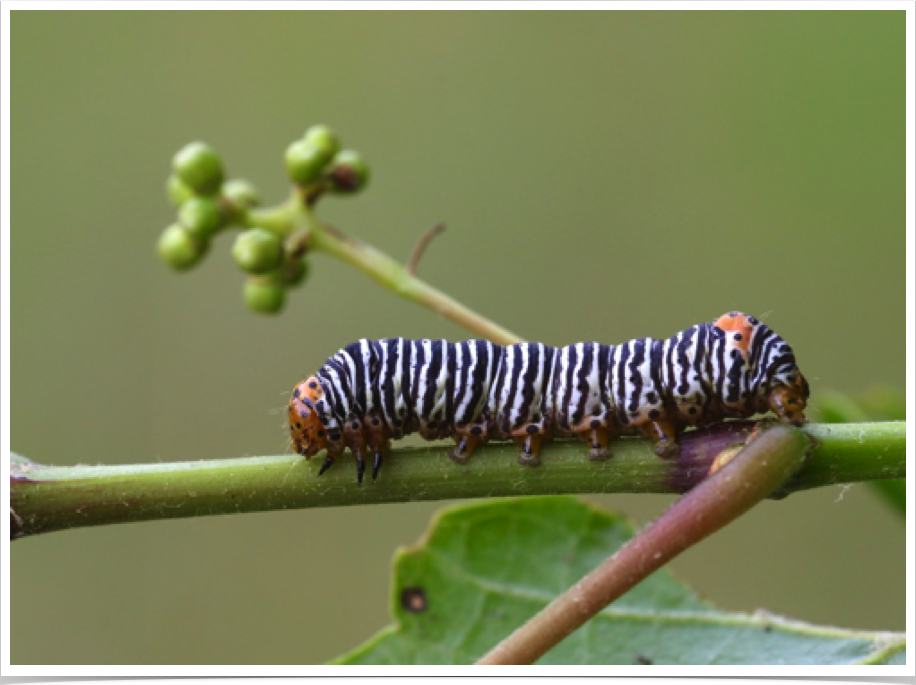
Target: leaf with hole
483, 569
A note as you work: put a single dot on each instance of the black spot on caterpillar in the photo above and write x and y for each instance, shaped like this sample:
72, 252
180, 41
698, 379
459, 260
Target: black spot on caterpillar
373, 391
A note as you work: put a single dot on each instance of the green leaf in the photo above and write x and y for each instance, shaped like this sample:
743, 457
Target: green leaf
835, 407
893, 492
883, 403
485, 568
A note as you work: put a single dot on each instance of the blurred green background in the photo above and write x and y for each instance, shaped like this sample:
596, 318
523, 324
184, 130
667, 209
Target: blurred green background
604, 175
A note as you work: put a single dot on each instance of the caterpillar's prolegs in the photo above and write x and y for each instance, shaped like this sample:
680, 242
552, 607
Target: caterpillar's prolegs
599, 439
531, 446
462, 450
663, 432
328, 463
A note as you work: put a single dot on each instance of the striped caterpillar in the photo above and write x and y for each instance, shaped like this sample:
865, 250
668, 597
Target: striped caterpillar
373, 391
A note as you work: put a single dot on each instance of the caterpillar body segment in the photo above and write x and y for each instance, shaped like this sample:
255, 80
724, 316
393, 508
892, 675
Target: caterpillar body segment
372, 392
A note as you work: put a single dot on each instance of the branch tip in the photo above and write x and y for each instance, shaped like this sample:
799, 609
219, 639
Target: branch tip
421, 245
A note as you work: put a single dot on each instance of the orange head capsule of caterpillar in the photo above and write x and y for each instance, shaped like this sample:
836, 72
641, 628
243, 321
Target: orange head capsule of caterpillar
306, 430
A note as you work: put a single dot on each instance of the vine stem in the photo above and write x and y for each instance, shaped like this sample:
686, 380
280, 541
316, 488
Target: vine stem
392, 275
753, 474
51, 498
295, 220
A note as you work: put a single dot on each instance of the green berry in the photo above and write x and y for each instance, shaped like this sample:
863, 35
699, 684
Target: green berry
305, 161
241, 193
257, 251
179, 249
264, 295
199, 167
324, 138
295, 273
177, 191
349, 172
200, 217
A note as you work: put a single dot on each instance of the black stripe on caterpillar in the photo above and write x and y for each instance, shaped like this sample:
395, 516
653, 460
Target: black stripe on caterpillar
371, 392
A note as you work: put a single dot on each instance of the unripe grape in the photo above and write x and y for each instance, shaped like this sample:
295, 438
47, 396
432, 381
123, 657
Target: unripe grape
295, 273
200, 217
324, 138
241, 193
179, 249
199, 167
349, 172
177, 191
264, 295
305, 161
257, 251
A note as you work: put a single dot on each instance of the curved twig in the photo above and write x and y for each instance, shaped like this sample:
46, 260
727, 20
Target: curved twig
421, 245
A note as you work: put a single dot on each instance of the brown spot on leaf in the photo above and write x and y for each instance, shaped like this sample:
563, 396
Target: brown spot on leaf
413, 599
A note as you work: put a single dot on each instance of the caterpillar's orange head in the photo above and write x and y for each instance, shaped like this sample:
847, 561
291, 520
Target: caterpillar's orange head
306, 429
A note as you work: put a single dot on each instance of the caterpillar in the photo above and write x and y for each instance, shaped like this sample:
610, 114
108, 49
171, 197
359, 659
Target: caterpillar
371, 392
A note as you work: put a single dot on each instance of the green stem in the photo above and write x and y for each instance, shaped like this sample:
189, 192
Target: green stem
49, 498
881, 656
296, 217
835, 407
394, 276
283, 219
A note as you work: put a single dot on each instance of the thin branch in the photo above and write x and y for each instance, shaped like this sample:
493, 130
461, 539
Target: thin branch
753, 474
50, 498
420, 247
295, 220
391, 275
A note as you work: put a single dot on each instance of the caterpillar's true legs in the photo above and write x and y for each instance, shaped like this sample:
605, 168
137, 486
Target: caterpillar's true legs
328, 463
335, 449
366, 438
379, 443
360, 466
377, 463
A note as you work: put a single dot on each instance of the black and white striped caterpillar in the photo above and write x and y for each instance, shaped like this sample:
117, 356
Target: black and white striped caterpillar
474, 391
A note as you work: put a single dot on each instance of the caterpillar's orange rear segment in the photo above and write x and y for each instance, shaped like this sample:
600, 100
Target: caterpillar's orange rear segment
308, 434
783, 388
741, 326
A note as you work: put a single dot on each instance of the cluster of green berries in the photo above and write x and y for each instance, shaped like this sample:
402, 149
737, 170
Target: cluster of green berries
317, 161
208, 204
